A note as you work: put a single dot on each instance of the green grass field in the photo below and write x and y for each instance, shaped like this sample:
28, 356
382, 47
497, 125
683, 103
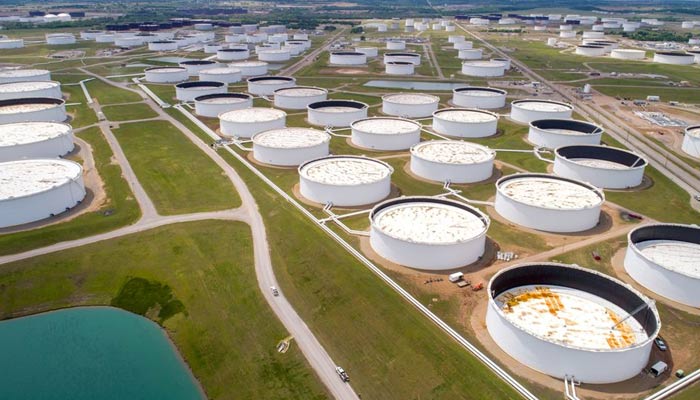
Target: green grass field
120, 203
81, 114
128, 112
223, 327
108, 94
177, 176
683, 95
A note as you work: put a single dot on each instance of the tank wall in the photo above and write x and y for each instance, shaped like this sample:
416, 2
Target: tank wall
345, 196
261, 89
666, 283
409, 110
289, 157
411, 59
53, 92
691, 145
607, 179
254, 70
168, 77
51, 148
385, 142
485, 102
297, 103
213, 110
400, 69
226, 78
232, 55
46, 76
335, 119
193, 70
469, 54
426, 256
229, 128
54, 114
342, 59
495, 70
542, 138
527, 116
549, 220
188, 94
154, 46
465, 130
558, 361
23, 210
455, 173
281, 56
675, 60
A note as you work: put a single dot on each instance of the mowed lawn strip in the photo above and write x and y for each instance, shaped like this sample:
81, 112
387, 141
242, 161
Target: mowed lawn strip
128, 112
119, 209
177, 175
108, 94
389, 349
224, 329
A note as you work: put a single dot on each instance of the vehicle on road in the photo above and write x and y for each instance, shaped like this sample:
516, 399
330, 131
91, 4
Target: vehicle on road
342, 374
275, 292
660, 344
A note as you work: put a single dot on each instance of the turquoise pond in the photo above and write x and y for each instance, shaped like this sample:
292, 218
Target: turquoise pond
90, 353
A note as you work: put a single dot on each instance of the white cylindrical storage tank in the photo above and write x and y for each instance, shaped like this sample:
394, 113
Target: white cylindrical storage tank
24, 75
345, 181
19, 90
233, 54
479, 97
696, 55
234, 38
367, 51
11, 43
147, 37
455, 38
628, 54
287, 147
665, 258
409, 105
36, 189
105, 38
383, 133
540, 28
194, 66
593, 35
450, 28
567, 34
128, 41
399, 68
567, 321
187, 91
469, 54
37, 109
602, 166
299, 97
336, 113
691, 141
162, 45
504, 61
548, 202
224, 74
675, 58
203, 26
483, 68
428, 233
294, 49
687, 24
630, 26
28, 140
60, 38
301, 36
598, 28
465, 122
528, 110
566, 27
211, 48
382, 28
395, 45
452, 161
247, 122
274, 56
166, 74
406, 57
266, 85
211, 105
250, 68
465, 45
552, 42
348, 58
694, 41
91, 34
553, 133
590, 50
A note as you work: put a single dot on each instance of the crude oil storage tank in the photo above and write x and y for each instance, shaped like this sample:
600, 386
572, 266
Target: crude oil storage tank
691, 141
479, 97
162, 45
405, 57
395, 45
166, 74
665, 258
345, 181
672, 57
246, 122
25, 140
383, 133
452, 160
19, 90
368, 51
275, 55
348, 58
187, 91
528, 110
628, 54
469, 54
464, 45
548, 202
60, 38
11, 43
288, 147
399, 68
299, 97
128, 41
553, 133
455, 38
24, 75
250, 68
590, 50
481, 68
567, 34
428, 233
266, 85
194, 66
212, 48
465, 122
564, 320
35, 189
601, 166
234, 54
223, 74
336, 113
37, 109
409, 105
211, 105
